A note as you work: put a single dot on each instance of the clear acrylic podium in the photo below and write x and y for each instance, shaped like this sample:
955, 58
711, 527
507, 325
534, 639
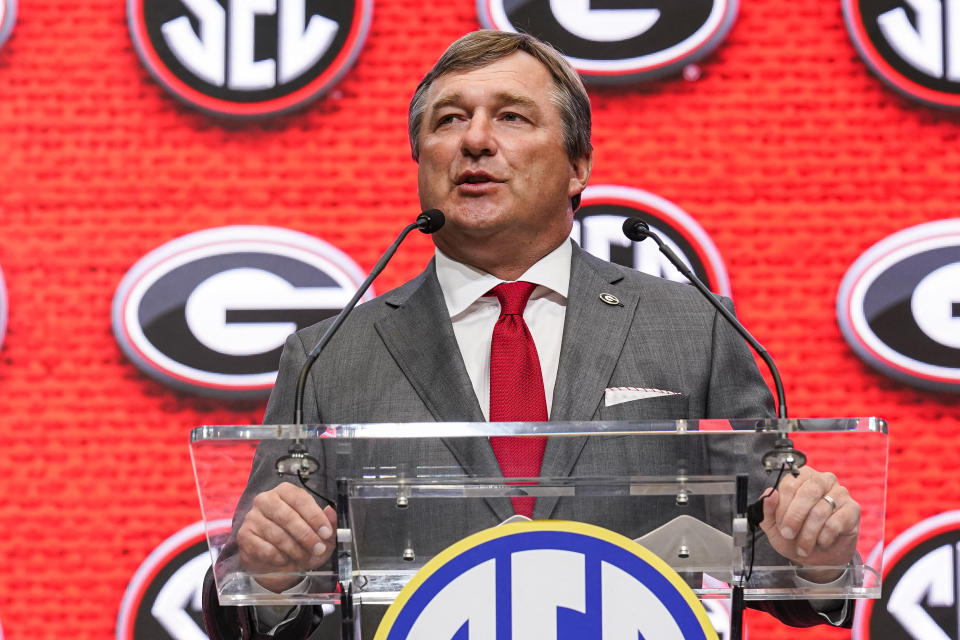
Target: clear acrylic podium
405, 492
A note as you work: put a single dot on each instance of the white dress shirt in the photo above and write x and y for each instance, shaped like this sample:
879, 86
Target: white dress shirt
474, 314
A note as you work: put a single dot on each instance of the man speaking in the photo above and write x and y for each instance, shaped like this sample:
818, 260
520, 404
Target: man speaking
513, 322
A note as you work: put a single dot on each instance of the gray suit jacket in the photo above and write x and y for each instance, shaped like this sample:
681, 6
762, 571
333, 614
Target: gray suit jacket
397, 360
402, 345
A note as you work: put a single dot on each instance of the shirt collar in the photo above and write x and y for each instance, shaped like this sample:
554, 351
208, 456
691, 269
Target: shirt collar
462, 284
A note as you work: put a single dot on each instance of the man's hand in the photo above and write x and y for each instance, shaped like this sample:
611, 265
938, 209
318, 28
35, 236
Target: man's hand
286, 531
808, 529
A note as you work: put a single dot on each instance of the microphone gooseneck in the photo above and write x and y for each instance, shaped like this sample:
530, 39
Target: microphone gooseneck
427, 222
637, 230
297, 461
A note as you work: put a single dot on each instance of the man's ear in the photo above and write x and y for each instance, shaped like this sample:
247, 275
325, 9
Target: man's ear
579, 176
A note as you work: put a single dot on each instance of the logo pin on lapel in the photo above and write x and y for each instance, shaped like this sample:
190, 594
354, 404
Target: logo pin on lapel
611, 299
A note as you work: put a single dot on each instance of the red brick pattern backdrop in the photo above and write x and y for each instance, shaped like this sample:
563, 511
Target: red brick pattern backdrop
786, 150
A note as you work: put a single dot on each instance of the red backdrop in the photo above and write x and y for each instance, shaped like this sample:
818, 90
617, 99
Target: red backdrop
787, 150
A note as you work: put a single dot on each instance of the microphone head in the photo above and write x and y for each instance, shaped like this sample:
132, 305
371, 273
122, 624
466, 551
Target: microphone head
636, 229
430, 220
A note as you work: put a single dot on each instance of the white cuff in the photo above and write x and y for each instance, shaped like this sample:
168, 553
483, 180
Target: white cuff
832, 610
269, 617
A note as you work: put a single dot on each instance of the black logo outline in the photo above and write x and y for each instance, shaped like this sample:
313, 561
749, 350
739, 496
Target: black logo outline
188, 88
665, 56
915, 541
153, 294
874, 299
673, 223
895, 71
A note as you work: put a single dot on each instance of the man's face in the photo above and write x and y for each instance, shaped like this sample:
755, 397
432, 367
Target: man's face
492, 157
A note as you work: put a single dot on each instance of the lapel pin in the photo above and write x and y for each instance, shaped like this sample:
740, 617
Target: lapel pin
611, 299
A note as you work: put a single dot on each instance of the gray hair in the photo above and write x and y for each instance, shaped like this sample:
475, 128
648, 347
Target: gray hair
481, 48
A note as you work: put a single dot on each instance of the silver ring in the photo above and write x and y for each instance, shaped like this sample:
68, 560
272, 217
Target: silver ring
831, 502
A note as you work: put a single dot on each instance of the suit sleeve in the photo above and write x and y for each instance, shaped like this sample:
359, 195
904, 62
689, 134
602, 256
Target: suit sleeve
282, 403
230, 622
738, 390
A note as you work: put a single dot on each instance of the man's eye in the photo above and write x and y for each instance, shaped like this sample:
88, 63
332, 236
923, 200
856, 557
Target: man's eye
447, 119
512, 117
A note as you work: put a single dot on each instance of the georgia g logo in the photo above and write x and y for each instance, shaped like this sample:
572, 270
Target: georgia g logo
919, 599
248, 57
549, 580
617, 40
912, 45
598, 228
899, 305
163, 599
209, 312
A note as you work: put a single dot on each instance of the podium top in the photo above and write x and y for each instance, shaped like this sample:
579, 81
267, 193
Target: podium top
407, 491
487, 429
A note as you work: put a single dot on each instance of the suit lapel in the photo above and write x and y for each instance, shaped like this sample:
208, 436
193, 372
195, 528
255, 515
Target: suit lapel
594, 333
419, 336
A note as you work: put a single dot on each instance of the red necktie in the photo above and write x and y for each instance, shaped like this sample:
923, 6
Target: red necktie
516, 388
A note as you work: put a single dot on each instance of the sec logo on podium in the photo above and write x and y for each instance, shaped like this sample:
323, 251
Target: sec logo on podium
546, 579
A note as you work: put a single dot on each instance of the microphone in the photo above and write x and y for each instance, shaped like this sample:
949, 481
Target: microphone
429, 221
297, 461
637, 229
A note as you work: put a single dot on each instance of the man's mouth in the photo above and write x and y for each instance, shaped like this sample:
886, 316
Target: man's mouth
475, 177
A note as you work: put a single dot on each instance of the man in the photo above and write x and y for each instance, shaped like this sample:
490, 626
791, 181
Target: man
500, 128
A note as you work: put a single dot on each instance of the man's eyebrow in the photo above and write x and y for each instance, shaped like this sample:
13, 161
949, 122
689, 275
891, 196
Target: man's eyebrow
518, 100
503, 98
450, 100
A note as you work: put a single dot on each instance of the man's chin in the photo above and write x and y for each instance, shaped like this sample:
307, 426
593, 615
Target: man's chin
468, 232
474, 213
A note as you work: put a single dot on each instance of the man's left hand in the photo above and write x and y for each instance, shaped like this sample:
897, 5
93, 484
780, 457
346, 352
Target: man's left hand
807, 528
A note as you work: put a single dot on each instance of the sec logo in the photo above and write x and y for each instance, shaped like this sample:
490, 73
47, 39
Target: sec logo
618, 41
546, 580
919, 600
163, 600
899, 305
598, 228
8, 17
912, 45
209, 312
248, 57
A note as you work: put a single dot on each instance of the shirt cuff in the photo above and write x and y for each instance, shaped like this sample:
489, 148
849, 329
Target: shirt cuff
832, 610
268, 618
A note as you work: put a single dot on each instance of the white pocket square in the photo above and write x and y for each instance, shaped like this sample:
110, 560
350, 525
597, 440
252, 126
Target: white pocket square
619, 395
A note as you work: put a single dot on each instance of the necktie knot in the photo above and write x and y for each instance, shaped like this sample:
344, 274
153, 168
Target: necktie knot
513, 297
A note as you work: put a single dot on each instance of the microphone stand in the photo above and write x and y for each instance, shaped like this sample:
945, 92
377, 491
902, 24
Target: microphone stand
297, 461
638, 230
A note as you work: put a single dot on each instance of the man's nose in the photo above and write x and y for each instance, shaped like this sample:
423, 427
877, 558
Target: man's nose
478, 138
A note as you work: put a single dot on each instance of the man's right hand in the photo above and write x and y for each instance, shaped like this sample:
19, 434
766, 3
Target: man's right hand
286, 531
